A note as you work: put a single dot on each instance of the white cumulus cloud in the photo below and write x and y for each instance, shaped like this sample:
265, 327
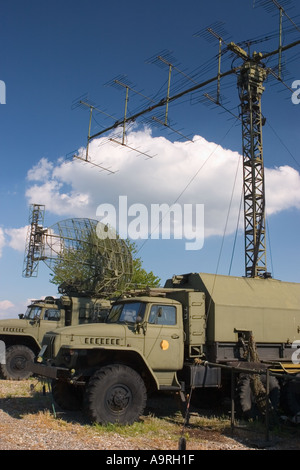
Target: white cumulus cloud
158, 171
2, 240
16, 237
6, 304
40, 171
282, 189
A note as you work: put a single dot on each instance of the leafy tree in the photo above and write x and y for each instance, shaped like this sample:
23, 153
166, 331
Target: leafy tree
98, 266
140, 277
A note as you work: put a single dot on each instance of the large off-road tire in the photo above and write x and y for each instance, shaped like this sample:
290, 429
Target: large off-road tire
115, 394
16, 358
291, 396
67, 396
247, 402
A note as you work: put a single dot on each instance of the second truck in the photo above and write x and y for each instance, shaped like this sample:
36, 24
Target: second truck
22, 336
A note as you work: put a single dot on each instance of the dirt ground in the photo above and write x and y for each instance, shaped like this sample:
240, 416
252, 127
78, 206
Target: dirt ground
28, 421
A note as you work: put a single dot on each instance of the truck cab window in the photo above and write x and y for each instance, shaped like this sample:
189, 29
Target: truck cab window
32, 313
126, 313
162, 315
52, 314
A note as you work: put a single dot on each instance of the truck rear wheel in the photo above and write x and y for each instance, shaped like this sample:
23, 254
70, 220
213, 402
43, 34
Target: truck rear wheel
66, 395
248, 403
291, 396
16, 358
115, 394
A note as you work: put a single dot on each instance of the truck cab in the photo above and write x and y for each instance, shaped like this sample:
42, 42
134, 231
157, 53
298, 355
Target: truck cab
43, 315
154, 328
144, 332
23, 336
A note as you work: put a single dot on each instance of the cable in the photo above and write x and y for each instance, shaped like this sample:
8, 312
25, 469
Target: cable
227, 218
236, 232
222, 244
188, 184
283, 144
270, 249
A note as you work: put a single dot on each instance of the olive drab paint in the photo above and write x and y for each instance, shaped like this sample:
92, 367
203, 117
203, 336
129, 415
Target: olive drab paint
173, 337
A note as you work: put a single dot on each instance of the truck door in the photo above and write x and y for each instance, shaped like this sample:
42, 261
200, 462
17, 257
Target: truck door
50, 319
164, 338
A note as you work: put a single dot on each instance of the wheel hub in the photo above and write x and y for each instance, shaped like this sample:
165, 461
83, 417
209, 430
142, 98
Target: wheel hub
118, 398
18, 363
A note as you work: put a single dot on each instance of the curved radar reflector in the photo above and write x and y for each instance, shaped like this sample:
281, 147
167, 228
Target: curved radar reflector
84, 255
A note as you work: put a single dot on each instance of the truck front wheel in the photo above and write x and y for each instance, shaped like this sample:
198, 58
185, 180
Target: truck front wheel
15, 361
115, 394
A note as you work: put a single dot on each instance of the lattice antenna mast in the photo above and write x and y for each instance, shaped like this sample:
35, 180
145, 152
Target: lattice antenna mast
251, 77
250, 84
34, 250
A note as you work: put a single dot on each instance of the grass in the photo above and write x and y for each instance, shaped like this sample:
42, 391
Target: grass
149, 426
162, 422
162, 416
24, 388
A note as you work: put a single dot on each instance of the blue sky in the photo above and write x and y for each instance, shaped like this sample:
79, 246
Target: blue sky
53, 53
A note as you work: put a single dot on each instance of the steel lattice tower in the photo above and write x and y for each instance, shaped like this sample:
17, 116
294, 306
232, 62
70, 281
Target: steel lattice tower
250, 84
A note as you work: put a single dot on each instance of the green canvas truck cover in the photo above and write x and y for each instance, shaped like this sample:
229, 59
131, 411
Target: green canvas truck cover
269, 308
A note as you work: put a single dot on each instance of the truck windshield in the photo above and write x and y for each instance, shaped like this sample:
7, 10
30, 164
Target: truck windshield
126, 313
32, 312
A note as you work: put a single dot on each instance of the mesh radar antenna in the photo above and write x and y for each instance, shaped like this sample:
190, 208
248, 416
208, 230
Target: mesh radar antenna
251, 75
85, 253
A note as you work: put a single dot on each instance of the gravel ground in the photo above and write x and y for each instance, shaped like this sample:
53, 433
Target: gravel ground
29, 434
27, 422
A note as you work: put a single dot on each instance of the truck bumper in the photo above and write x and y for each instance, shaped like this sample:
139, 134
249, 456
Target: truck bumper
45, 370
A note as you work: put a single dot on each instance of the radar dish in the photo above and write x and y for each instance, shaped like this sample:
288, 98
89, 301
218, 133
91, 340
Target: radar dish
84, 255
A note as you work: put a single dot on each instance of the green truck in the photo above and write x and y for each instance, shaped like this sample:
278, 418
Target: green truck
189, 334
22, 336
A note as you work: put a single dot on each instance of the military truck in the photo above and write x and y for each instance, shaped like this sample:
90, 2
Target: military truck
23, 336
189, 334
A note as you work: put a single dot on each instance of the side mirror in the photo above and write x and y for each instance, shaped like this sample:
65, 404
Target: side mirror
139, 324
159, 312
